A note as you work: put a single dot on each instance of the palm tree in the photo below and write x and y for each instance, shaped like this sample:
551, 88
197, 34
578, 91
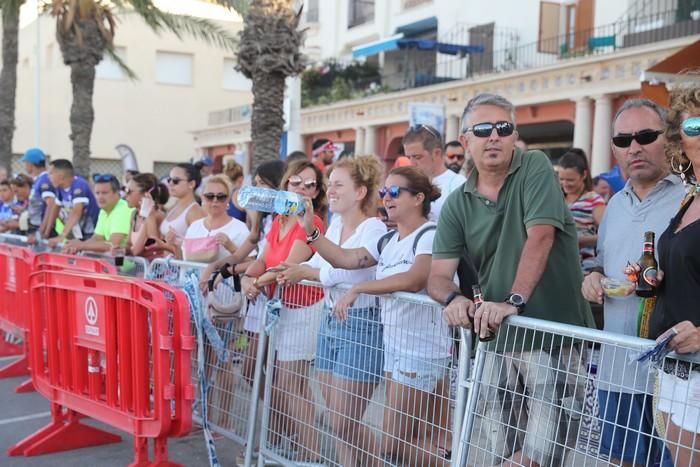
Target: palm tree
269, 52
85, 32
8, 78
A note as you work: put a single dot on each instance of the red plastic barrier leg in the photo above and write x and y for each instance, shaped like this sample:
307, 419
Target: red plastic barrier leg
25, 387
16, 368
7, 349
160, 450
64, 433
140, 453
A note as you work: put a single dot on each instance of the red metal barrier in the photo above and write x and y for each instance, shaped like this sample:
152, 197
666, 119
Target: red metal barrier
17, 263
103, 346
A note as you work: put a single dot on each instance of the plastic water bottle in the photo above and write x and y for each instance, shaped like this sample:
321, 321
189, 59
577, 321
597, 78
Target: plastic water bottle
267, 200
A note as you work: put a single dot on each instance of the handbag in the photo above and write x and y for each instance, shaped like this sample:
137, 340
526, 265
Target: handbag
200, 249
224, 300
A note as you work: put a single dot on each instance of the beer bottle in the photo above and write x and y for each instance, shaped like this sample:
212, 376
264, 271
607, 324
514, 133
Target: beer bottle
478, 300
646, 280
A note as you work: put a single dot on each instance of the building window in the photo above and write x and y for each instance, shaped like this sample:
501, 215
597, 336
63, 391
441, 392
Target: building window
360, 12
234, 80
311, 11
412, 3
108, 68
174, 68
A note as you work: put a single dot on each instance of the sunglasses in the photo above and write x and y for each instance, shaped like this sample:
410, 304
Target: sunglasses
103, 178
643, 137
691, 126
175, 180
395, 191
215, 196
484, 129
459, 157
308, 184
428, 128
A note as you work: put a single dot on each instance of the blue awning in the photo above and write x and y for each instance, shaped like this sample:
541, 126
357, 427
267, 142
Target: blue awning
419, 27
441, 47
382, 45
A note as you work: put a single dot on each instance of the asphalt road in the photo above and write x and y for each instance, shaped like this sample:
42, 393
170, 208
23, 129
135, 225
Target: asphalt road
23, 414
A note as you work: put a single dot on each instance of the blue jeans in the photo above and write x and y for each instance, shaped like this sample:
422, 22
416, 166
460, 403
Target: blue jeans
351, 349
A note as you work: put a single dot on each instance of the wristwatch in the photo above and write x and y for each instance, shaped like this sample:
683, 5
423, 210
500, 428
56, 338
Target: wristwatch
516, 300
315, 235
454, 294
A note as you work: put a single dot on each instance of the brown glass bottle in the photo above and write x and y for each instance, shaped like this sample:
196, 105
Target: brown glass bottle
478, 300
646, 280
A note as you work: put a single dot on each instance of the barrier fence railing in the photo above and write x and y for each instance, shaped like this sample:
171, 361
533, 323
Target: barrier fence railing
301, 386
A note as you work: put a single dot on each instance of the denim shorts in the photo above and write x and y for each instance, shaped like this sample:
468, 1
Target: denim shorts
351, 349
628, 423
415, 372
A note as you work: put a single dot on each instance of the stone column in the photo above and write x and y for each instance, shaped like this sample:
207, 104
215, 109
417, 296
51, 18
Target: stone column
602, 132
583, 131
370, 140
451, 128
359, 140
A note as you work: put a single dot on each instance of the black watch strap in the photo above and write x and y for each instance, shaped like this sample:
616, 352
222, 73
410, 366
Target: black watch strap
454, 294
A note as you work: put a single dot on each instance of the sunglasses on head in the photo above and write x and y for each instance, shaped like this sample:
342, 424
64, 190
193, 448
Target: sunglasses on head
691, 126
428, 128
643, 137
308, 184
175, 180
215, 196
395, 191
484, 129
103, 178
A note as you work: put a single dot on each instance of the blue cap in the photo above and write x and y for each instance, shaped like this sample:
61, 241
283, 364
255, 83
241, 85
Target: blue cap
206, 161
614, 178
34, 156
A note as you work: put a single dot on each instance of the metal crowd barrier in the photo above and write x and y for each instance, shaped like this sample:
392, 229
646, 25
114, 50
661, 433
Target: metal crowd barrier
555, 394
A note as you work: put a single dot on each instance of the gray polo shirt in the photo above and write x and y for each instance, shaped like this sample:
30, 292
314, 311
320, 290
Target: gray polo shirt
620, 239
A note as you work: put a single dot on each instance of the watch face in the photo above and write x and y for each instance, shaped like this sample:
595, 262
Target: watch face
516, 299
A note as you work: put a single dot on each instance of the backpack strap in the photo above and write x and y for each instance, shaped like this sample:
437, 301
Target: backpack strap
420, 234
384, 239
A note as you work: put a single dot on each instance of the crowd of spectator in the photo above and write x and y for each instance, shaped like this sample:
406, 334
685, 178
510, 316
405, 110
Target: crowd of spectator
538, 238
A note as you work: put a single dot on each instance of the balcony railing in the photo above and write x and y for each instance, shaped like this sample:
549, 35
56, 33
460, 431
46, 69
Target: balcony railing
231, 115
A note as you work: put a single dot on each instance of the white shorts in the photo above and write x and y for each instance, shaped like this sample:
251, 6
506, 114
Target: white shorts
681, 399
296, 333
416, 372
254, 315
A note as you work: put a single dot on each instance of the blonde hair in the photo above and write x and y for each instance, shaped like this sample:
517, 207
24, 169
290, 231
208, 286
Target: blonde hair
365, 171
233, 170
683, 99
221, 180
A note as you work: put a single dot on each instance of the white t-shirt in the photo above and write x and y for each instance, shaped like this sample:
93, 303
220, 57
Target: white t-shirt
411, 329
366, 235
236, 230
448, 181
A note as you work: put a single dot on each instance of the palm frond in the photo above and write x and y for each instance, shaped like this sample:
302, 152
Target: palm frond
125, 68
239, 6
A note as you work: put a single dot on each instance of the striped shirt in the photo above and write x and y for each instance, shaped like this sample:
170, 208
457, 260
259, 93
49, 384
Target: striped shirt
582, 211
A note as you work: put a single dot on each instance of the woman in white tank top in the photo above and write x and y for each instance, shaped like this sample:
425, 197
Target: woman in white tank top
182, 183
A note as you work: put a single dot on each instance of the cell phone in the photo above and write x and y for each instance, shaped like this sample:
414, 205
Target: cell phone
150, 241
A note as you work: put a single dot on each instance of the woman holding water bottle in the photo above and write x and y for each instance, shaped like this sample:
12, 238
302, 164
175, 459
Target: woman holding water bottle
349, 353
300, 316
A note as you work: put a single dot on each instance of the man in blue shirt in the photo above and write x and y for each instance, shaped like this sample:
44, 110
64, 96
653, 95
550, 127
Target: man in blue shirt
42, 199
78, 207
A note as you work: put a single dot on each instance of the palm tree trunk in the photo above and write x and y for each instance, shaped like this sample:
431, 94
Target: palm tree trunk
267, 120
82, 114
8, 85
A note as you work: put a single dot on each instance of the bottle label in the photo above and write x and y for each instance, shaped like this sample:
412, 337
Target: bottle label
292, 207
649, 275
648, 248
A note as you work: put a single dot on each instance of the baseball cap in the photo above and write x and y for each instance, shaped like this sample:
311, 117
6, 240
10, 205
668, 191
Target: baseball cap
34, 156
206, 161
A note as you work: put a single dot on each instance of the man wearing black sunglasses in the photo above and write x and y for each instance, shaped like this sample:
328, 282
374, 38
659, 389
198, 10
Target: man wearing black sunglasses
422, 146
511, 217
648, 201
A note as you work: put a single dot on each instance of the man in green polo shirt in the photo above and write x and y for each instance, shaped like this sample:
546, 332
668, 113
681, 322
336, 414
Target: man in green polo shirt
512, 219
113, 222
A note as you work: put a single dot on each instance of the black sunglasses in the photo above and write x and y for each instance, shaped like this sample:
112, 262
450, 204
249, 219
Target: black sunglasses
217, 196
484, 129
103, 178
395, 191
175, 180
643, 137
